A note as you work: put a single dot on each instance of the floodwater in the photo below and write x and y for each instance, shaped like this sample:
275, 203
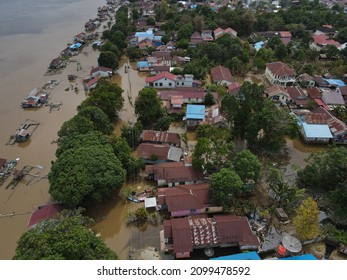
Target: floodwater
25, 55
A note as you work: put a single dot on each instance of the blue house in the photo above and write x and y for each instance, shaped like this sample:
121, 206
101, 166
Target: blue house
194, 115
143, 66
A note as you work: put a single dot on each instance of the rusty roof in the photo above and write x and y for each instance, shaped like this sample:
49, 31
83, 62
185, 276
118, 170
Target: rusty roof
202, 231
280, 69
160, 137
316, 118
147, 150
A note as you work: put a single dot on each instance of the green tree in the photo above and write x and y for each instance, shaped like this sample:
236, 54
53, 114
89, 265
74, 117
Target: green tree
163, 124
98, 117
108, 59
306, 220
110, 47
325, 170
148, 107
209, 99
247, 166
76, 125
107, 96
133, 53
85, 175
65, 238
132, 132
225, 186
76, 140
133, 165
285, 195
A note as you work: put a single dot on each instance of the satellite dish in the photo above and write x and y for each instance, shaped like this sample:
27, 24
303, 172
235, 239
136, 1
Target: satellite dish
291, 244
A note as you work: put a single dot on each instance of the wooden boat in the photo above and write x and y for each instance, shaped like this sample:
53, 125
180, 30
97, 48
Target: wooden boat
133, 199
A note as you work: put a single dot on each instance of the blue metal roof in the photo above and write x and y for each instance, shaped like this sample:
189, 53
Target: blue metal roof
75, 46
196, 112
317, 130
308, 257
337, 82
241, 257
142, 64
258, 45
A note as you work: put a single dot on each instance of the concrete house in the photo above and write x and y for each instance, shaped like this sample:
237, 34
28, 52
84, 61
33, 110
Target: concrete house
278, 94
195, 114
320, 42
162, 80
279, 73
101, 71
221, 75
186, 200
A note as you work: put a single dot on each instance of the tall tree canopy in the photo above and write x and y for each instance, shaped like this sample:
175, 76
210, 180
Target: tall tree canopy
225, 185
247, 166
65, 238
106, 96
85, 175
256, 120
148, 107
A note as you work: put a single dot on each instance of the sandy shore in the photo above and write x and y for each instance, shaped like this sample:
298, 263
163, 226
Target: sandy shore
21, 74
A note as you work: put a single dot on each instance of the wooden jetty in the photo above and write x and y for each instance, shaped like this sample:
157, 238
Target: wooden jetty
24, 132
18, 175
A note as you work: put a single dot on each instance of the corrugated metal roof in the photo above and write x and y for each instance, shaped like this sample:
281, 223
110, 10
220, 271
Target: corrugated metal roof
195, 112
317, 130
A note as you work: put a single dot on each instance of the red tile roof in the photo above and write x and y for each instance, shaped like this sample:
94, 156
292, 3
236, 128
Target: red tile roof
162, 75
280, 69
221, 73
324, 40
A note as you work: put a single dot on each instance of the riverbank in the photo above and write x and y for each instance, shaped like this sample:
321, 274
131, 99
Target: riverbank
25, 59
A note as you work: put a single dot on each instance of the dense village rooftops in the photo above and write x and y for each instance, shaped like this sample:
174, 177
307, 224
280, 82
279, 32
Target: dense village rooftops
314, 93
280, 69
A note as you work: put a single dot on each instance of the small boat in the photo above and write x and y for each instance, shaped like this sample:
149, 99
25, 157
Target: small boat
133, 199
